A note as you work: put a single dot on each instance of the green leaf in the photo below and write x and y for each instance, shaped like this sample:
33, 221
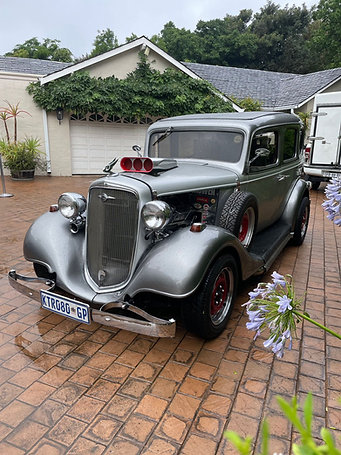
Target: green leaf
265, 438
244, 446
308, 413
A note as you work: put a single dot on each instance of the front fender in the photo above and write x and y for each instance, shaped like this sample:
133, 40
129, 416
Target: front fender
50, 242
176, 266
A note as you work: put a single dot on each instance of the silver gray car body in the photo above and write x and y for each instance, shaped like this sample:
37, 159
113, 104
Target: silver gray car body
196, 186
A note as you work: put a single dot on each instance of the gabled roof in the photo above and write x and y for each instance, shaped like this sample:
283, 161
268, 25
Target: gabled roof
274, 90
29, 65
141, 42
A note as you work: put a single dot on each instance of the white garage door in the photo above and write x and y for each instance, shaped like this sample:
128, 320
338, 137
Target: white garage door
94, 144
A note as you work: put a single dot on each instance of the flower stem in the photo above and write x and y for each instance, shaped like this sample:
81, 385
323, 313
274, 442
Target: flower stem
304, 316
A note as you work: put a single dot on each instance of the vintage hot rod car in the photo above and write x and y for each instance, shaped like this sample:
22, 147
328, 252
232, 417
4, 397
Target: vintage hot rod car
213, 201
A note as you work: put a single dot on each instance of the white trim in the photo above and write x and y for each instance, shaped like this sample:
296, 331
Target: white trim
47, 142
19, 76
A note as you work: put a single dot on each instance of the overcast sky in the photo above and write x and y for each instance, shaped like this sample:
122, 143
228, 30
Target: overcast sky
76, 22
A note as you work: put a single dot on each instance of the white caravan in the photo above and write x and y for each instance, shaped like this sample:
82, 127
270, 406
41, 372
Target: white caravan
323, 150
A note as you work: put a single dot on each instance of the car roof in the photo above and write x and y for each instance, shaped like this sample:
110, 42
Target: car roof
248, 120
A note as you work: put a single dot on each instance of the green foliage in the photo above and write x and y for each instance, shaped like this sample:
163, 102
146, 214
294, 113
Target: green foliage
105, 41
326, 35
131, 37
305, 117
248, 104
306, 444
289, 39
23, 155
145, 92
48, 49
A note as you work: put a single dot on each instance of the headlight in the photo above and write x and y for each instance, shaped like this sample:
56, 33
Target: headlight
156, 214
71, 204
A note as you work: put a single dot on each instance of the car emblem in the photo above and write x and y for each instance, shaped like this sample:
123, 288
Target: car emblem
104, 197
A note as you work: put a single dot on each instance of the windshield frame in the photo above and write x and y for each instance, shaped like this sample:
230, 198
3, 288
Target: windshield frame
172, 133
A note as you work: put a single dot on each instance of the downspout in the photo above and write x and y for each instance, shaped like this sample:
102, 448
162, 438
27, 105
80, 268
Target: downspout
47, 143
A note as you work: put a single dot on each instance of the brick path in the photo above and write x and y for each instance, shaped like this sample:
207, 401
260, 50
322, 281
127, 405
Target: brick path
70, 388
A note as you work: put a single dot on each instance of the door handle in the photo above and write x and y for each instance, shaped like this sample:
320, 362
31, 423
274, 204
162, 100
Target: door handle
281, 177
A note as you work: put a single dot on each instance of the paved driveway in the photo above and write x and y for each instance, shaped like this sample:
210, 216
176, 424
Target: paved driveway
70, 388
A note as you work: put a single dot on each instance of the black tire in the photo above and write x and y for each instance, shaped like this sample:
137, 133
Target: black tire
206, 312
239, 216
315, 185
302, 221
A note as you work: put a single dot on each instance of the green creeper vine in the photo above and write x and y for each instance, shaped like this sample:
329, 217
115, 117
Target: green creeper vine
145, 92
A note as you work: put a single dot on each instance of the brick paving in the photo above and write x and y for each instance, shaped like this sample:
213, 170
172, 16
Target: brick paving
67, 388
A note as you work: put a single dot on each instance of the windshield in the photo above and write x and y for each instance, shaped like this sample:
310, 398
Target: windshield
205, 145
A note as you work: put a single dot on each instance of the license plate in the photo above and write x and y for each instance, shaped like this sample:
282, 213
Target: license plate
62, 305
333, 175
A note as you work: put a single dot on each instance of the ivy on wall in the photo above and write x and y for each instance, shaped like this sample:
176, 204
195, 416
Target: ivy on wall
145, 92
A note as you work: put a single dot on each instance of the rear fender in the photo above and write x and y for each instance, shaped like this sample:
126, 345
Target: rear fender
290, 213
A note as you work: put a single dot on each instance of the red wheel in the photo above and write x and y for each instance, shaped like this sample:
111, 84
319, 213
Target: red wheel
221, 296
207, 311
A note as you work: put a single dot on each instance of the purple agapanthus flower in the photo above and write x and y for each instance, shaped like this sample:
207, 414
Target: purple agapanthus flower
284, 304
270, 307
278, 279
333, 203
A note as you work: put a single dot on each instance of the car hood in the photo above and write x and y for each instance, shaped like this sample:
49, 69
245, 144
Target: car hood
186, 177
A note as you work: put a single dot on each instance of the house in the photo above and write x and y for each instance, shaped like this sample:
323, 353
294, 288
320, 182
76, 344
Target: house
84, 144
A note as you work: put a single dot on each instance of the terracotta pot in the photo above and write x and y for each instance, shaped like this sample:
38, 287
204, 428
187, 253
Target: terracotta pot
23, 175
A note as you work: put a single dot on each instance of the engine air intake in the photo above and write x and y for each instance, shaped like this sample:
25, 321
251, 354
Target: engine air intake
133, 164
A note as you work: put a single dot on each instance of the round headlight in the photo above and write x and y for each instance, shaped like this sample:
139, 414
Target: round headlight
156, 214
71, 204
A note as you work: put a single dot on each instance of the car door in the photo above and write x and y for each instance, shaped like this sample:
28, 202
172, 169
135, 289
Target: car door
265, 179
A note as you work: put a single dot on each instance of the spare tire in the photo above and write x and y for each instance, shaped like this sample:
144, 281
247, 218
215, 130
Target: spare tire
239, 216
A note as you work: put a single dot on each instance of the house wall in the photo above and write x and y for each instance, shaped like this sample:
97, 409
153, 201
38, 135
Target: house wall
123, 64
334, 88
13, 89
59, 141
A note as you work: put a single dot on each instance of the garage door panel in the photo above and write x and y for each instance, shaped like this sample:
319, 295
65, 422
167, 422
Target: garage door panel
94, 144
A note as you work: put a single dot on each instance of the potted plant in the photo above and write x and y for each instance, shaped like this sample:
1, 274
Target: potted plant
20, 157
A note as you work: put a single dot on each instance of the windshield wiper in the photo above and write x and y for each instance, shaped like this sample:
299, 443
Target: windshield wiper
163, 136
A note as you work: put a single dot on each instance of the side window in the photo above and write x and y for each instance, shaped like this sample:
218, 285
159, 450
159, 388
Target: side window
264, 149
290, 144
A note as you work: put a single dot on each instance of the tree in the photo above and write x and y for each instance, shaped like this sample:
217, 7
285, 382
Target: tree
326, 33
181, 44
48, 49
282, 38
227, 41
105, 41
130, 38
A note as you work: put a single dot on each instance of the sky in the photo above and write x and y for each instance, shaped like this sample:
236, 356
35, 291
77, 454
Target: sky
76, 22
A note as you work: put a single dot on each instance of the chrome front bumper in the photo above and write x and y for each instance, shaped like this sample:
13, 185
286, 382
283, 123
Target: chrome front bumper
150, 325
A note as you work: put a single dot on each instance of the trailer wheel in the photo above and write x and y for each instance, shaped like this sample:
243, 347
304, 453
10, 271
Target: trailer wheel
207, 311
239, 216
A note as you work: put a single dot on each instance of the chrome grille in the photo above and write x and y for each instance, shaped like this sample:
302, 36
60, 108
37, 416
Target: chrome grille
111, 235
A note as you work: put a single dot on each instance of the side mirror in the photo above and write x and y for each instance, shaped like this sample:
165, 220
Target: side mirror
137, 149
